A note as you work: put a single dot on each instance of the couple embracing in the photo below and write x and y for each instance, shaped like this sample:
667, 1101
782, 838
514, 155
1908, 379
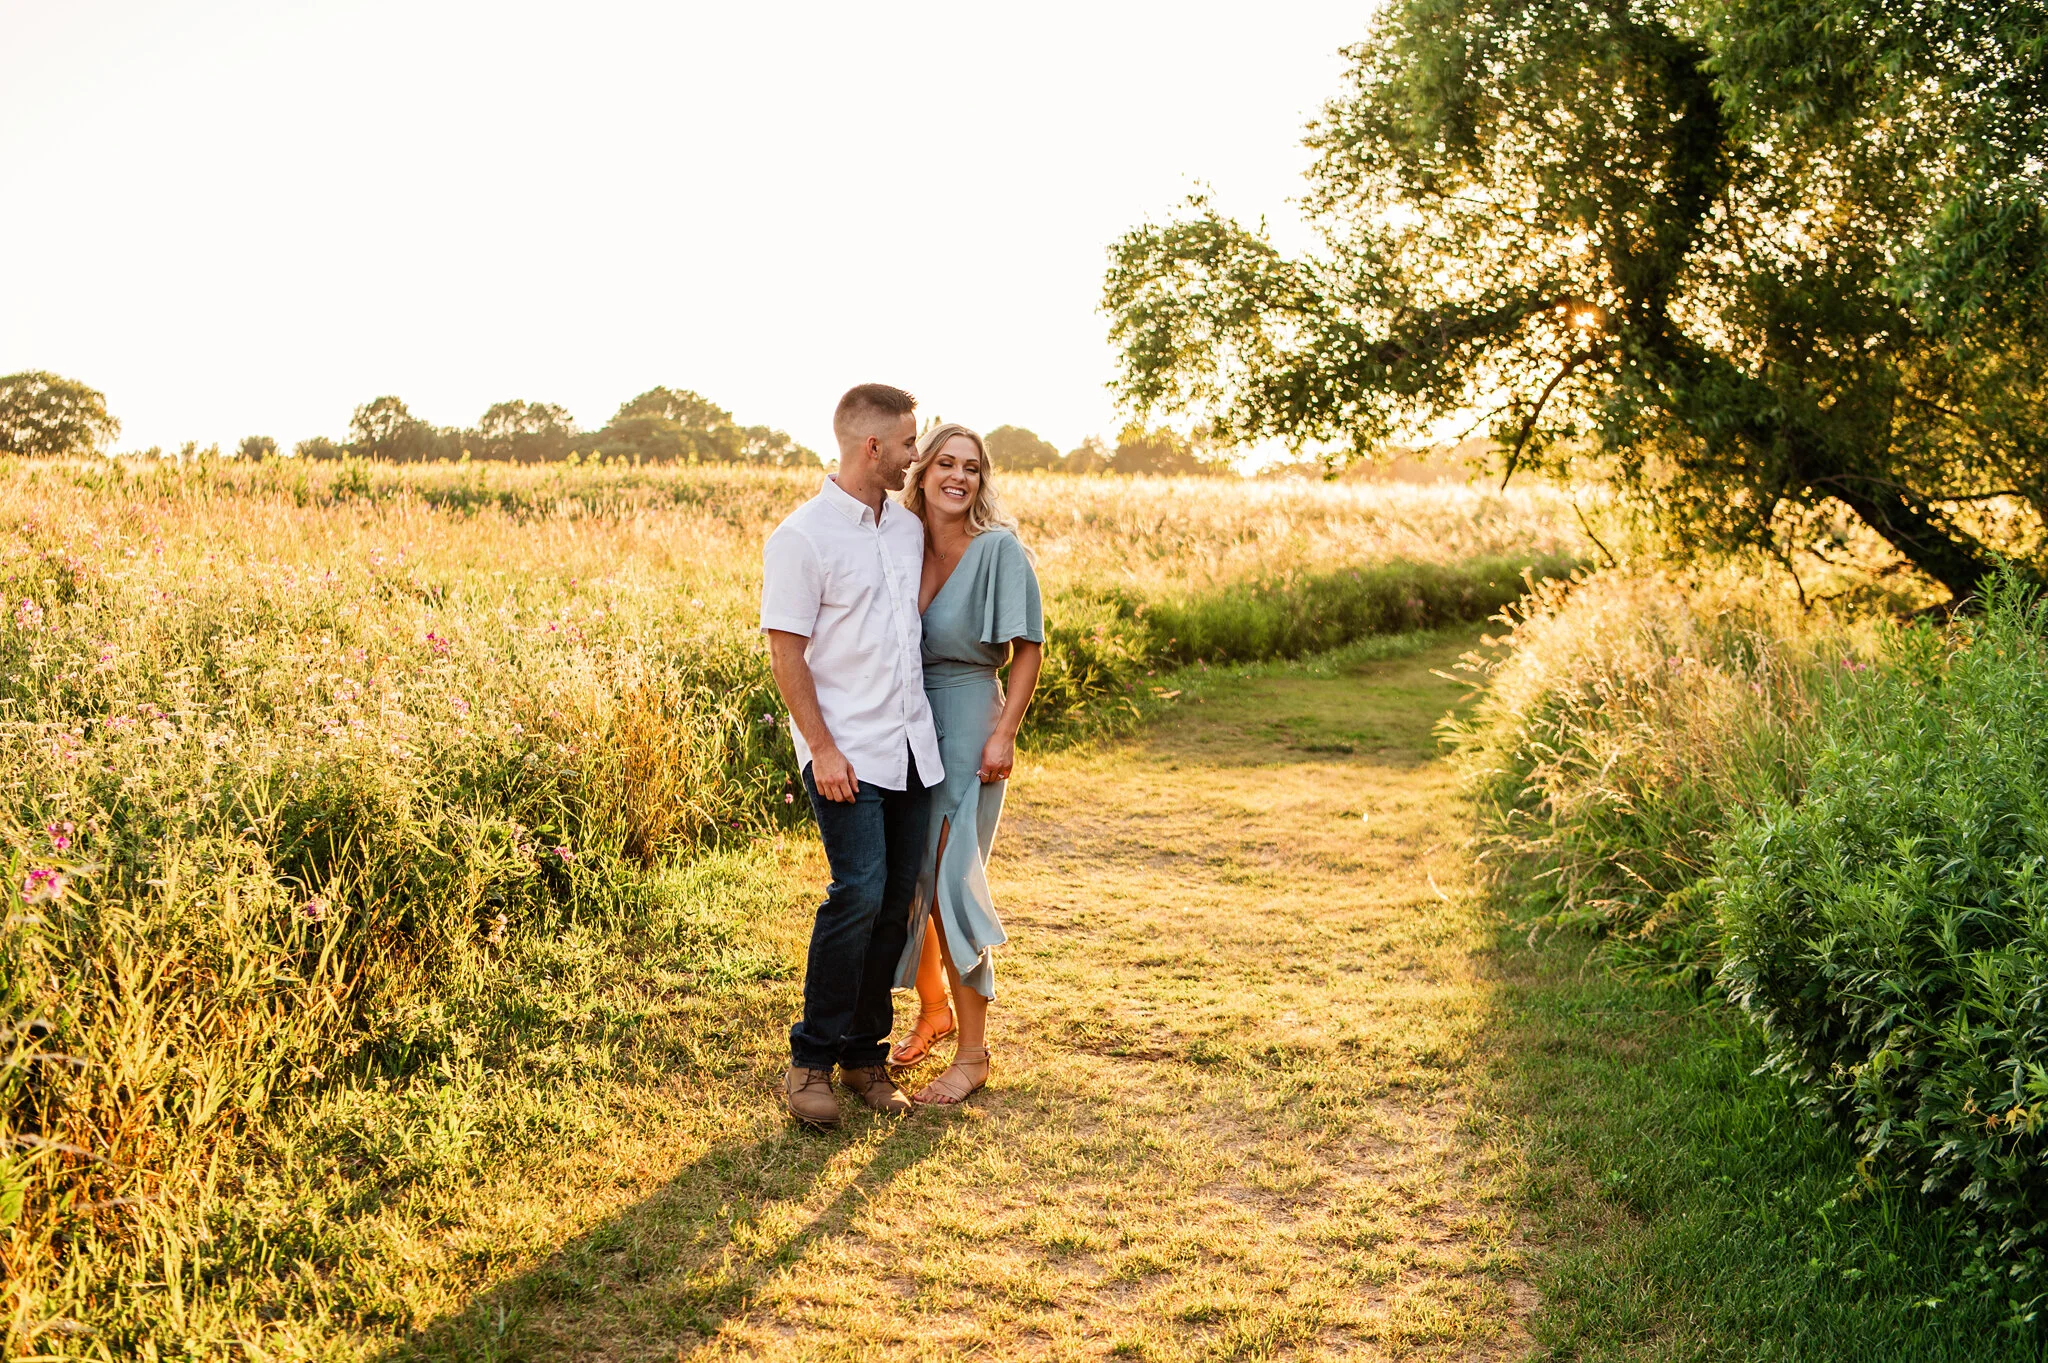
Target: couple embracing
886, 625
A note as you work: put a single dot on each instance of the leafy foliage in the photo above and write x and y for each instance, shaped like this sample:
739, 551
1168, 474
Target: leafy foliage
1014, 448
1890, 931
44, 415
670, 424
662, 424
1610, 226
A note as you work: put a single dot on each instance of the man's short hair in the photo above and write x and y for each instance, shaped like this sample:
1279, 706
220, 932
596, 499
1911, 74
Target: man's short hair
867, 400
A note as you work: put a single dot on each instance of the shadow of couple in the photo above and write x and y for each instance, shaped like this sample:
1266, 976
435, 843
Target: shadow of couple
665, 1274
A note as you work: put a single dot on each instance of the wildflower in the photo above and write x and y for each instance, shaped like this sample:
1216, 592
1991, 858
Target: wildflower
314, 910
43, 885
61, 834
496, 936
28, 615
767, 721
788, 798
564, 853
106, 655
437, 644
460, 706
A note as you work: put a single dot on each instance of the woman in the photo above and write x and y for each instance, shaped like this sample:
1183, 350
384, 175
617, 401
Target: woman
979, 597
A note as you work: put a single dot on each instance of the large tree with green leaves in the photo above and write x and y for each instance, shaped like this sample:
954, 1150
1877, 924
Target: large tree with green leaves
47, 416
1743, 257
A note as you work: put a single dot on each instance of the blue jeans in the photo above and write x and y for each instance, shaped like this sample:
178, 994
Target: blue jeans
873, 846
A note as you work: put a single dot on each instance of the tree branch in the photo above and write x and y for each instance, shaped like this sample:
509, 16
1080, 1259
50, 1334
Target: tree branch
1529, 422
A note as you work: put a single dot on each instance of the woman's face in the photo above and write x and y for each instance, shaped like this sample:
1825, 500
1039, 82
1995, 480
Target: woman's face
953, 478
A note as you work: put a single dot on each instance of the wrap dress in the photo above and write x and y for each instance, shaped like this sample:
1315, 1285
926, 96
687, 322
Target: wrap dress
990, 600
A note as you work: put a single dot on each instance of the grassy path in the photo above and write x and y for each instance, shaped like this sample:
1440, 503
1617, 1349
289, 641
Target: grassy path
1232, 1051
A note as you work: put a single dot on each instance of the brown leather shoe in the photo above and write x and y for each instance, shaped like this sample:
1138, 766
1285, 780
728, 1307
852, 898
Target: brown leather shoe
873, 1086
810, 1098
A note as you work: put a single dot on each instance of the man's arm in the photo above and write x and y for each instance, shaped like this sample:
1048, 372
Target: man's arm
830, 770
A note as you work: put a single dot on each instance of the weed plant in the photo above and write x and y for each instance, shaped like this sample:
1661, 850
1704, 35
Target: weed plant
336, 793
1628, 716
1889, 931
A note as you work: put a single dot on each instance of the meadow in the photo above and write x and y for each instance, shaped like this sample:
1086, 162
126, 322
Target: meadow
348, 800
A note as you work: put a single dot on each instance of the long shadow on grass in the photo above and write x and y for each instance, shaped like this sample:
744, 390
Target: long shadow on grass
664, 1274
1692, 1210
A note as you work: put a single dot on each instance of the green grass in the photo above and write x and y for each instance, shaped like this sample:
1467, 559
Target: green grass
1689, 1209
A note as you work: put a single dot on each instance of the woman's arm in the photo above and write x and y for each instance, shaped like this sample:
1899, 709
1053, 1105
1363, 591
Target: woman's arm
1000, 753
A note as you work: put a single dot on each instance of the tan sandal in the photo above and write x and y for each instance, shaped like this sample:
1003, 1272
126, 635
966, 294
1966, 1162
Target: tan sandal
918, 1044
949, 1091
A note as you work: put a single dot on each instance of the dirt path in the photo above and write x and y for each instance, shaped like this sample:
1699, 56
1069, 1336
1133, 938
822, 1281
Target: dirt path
1234, 1025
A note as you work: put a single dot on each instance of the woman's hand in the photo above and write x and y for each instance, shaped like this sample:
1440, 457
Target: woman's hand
997, 758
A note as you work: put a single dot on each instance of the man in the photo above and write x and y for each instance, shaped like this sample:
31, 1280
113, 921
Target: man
839, 606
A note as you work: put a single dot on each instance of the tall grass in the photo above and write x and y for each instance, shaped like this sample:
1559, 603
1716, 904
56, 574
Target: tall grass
320, 778
1628, 717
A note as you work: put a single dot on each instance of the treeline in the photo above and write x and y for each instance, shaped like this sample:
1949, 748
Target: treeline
44, 415
661, 424
1137, 450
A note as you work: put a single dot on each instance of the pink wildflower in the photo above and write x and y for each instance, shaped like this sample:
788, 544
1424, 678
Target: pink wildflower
313, 910
43, 884
61, 834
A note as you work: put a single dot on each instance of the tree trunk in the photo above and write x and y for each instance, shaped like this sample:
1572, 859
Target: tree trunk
1957, 562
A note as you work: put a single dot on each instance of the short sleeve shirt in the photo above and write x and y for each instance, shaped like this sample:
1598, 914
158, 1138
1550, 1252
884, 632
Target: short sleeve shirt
846, 579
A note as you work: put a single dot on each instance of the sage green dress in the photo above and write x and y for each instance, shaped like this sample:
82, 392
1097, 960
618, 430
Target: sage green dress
990, 600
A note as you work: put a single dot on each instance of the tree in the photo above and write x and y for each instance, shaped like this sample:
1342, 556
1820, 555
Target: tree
383, 428
1743, 258
1090, 456
1012, 448
318, 447
679, 405
45, 416
676, 424
257, 448
1162, 451
525, 432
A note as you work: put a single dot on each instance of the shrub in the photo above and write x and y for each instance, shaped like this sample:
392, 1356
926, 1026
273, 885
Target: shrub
1629, 715
1890, 930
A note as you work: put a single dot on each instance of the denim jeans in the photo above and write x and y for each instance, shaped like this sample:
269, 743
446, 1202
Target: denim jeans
873, 846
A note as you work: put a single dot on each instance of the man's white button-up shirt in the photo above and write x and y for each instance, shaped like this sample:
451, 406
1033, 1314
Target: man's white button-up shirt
847, 581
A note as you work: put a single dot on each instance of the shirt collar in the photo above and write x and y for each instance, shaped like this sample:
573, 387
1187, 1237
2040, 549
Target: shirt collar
850, 506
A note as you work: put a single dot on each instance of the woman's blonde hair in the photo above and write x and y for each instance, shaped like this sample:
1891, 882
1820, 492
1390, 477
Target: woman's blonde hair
987, 512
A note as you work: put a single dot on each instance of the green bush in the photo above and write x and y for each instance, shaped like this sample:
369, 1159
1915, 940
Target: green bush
1102, 643
1889, 931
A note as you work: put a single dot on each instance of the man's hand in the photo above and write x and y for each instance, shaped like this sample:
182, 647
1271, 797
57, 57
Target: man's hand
997, 758
830, 771
833, 775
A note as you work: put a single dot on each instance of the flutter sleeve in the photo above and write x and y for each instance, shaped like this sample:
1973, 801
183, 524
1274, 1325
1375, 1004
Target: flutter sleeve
1010, 605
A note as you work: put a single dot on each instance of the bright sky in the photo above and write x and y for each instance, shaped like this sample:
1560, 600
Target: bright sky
248, 216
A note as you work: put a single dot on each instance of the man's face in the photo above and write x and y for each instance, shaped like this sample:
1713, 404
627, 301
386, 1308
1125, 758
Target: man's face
899, 450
